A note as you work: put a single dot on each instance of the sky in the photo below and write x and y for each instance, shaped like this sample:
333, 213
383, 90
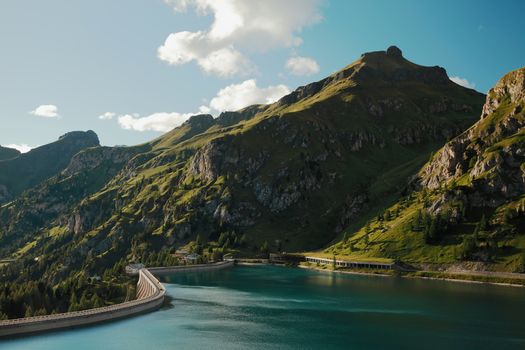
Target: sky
133, 69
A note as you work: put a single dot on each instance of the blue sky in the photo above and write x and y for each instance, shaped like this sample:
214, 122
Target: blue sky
65, 63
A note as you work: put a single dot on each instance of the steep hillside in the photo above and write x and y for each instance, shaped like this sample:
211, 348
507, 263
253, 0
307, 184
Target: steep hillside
469, 200
293, 174
8, 153
29, 169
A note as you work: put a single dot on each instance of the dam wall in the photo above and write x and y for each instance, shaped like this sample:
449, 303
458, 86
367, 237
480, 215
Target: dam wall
150, 296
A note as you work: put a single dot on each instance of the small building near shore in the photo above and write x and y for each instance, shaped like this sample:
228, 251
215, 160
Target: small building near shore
284, 258
181, 253
133, 269
192, 258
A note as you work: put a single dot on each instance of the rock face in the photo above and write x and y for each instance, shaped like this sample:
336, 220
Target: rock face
512, 87
394, 51
491, 154
93, 158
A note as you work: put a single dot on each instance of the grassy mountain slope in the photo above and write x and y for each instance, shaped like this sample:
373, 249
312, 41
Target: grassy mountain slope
294, 174
8, 153
468, 203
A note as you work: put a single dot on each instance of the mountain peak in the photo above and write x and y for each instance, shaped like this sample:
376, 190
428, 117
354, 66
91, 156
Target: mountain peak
394, 51
199, 119
84, 135
391, 52
374, 70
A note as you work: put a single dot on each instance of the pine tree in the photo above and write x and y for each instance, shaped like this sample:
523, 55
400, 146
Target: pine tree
418, 221
507, 216
84, 302
468, 247
222, 238
96, 301
29, 311
482, 225
73, 306
264, 249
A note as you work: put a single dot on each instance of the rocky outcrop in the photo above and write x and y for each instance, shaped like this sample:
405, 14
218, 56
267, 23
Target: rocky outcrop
511, 87
95, 157
491, 153
220, 156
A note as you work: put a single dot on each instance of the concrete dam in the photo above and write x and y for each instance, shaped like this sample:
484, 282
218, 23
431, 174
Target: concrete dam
150, 295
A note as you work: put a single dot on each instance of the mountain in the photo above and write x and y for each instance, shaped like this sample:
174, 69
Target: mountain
467, 207
8, 153
292, 175
27, 170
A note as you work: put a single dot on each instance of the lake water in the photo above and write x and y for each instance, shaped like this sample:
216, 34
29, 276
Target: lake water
267, 307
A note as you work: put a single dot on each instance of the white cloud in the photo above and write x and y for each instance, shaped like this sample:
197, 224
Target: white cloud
302, 65
236, 96
204, 109
463, 82
23, 148
46, 111
162, 121
226, 62
238, 27
107, 116
231, 98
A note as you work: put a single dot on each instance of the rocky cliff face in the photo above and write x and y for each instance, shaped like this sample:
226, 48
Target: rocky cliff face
488, 157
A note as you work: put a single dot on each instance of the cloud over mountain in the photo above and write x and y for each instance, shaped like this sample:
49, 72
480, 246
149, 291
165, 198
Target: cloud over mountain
239, 27
231, 98
298, 65
46, 111
463, 82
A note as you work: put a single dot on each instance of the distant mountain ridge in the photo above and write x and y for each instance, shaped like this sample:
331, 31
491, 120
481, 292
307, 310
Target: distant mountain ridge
29, 169
8, 153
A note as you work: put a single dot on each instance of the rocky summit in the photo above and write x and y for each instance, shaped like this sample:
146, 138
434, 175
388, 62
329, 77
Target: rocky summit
293, 175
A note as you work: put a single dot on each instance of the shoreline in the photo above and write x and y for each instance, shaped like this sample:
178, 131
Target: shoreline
408, 276
459, 280
346, 272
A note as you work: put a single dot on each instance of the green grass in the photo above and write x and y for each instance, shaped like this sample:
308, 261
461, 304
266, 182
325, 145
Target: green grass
466, 277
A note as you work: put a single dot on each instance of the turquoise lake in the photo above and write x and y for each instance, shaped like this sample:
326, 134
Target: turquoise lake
268, 307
